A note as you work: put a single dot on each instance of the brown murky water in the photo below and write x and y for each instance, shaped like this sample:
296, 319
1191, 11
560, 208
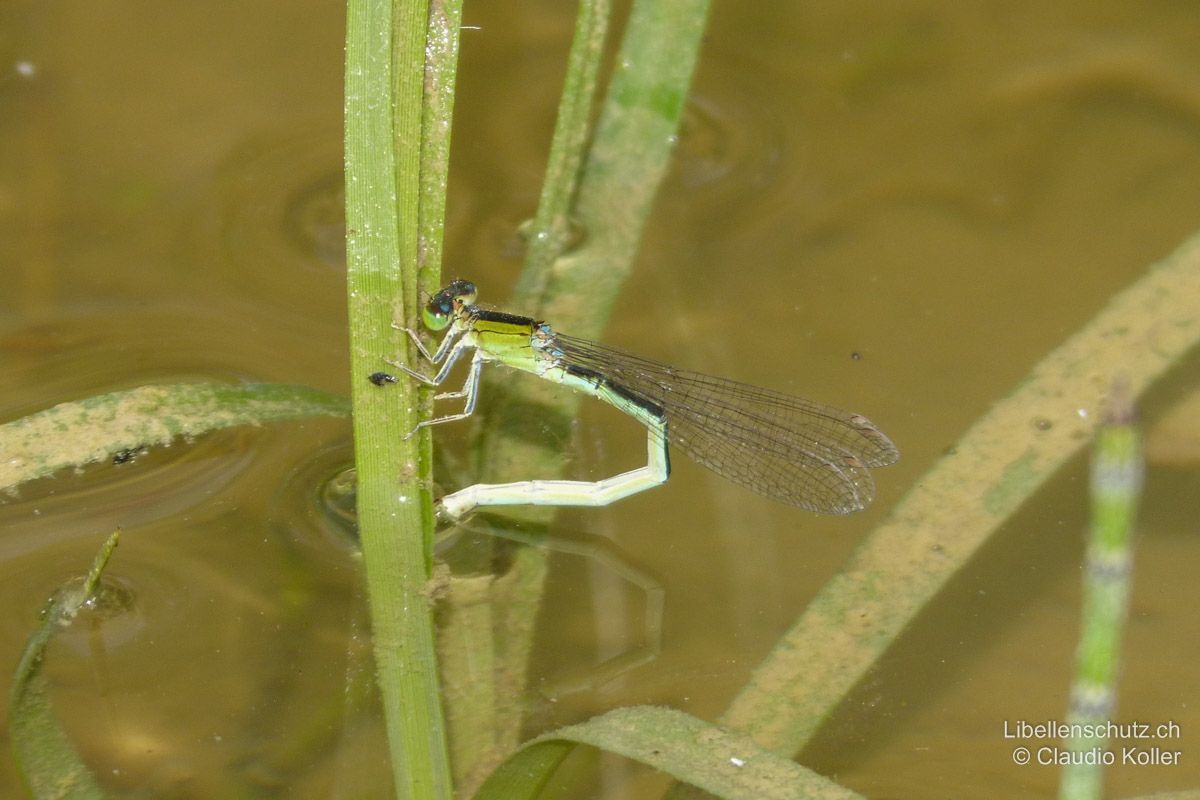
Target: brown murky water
945, 191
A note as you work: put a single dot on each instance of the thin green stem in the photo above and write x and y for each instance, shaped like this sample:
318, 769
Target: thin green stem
1116, 482
630, 153
550, 232
441, 67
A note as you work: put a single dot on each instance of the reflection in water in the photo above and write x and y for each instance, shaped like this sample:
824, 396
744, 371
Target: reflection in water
628, 644
160, 484
274, 226
315, 220
733, 156
316, 507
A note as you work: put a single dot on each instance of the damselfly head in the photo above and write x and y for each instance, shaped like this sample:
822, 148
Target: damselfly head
444, 305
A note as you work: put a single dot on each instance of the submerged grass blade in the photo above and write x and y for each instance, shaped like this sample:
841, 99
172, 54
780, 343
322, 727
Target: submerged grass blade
725, 764
1116, 483
48, 762
88, 431
997, 465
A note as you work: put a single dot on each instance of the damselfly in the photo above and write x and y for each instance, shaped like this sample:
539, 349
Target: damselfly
793, 450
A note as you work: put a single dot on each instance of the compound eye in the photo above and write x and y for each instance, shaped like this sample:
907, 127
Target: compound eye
437, 313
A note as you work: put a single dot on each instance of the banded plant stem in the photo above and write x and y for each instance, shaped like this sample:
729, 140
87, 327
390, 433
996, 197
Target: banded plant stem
1116, 481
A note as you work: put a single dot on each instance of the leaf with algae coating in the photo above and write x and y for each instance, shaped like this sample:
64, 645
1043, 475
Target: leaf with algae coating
94, 429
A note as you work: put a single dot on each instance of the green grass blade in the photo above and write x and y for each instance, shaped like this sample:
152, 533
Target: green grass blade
550, 231
445, 22
725, 764
631, 150
48, 762
997, 465
385, 69
88, 431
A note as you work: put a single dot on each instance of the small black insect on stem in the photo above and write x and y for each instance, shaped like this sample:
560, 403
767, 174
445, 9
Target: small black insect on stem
380, 378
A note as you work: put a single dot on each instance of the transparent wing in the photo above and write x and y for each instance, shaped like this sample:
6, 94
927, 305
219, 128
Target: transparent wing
802, 453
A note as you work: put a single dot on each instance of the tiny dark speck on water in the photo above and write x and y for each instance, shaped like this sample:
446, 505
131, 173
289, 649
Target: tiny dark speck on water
856, 356
126, 455
380, 378
1043, 424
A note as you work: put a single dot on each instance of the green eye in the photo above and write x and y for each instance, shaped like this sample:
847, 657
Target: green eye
435, 317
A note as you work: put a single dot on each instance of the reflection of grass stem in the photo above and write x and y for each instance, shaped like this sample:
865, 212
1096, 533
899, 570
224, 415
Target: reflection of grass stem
598, 552
998, 464
1115, 490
